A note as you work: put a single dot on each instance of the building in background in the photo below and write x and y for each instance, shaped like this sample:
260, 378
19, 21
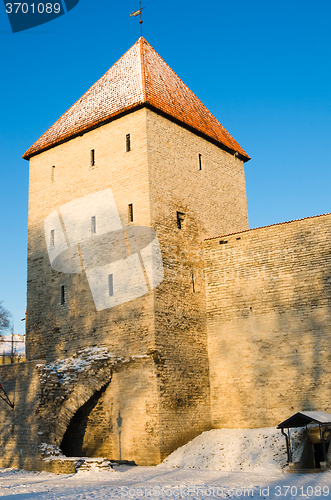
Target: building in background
12, 348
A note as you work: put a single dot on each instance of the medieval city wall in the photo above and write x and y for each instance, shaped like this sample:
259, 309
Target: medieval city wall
212, 200
19, 427
268, 301
97, 405
66, 408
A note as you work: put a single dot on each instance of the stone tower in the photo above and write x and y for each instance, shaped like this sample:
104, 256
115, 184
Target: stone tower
124, 188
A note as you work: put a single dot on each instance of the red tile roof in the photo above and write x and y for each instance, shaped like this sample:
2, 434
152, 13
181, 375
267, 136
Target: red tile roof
139, 78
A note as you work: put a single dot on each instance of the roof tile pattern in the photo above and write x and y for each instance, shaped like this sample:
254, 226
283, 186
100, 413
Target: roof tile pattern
168, 93
139, 77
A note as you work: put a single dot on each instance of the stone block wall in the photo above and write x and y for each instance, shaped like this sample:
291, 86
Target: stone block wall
268, 304
131, 398
120, 421
75, 407
58, 176
211, 200
161, 176
97, 405
19, 426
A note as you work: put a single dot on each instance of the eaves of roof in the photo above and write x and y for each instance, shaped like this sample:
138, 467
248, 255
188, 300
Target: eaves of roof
302, 418
140, 78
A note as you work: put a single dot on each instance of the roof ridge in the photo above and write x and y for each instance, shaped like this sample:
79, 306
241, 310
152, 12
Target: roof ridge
81, 97
232, 141
26, 155
179, 78
143, 67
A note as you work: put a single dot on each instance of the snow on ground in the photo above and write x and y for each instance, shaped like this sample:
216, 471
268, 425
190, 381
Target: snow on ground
226, 463
232, 449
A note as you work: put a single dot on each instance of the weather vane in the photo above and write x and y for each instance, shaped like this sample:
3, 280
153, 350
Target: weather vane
138, 13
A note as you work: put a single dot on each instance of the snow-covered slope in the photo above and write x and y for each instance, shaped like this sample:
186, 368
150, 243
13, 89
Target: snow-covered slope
232, 449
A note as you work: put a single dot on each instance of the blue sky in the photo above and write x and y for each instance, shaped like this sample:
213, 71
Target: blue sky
262, 68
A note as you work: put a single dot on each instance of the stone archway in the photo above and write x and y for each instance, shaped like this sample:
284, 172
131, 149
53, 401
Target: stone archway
66, 386
87, 434
82, 398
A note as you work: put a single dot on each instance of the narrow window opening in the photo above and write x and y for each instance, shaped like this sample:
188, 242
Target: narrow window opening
93, 225
53, 173
110, 285
128, 143
130, 213
62, 295
92, 157
200, 161
222, 242
52, 238
193, 287
180, 220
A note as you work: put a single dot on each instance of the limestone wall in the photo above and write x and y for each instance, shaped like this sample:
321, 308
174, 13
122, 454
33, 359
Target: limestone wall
269, 314
165, 402
77, 407
19, 427
211, 200
97, 405
55, 330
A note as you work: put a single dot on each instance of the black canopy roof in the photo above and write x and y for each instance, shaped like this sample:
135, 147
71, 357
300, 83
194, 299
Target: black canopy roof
303, 418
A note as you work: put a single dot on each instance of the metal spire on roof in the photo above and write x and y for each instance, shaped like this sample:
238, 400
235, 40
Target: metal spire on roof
138, 13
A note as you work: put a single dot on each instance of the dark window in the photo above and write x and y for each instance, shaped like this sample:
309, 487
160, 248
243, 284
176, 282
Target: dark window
62, 295
53, 173
128, 143
130, 213
180, 220
93, 225
193, 287
200, 161
52, 237
92, 157
110, 285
